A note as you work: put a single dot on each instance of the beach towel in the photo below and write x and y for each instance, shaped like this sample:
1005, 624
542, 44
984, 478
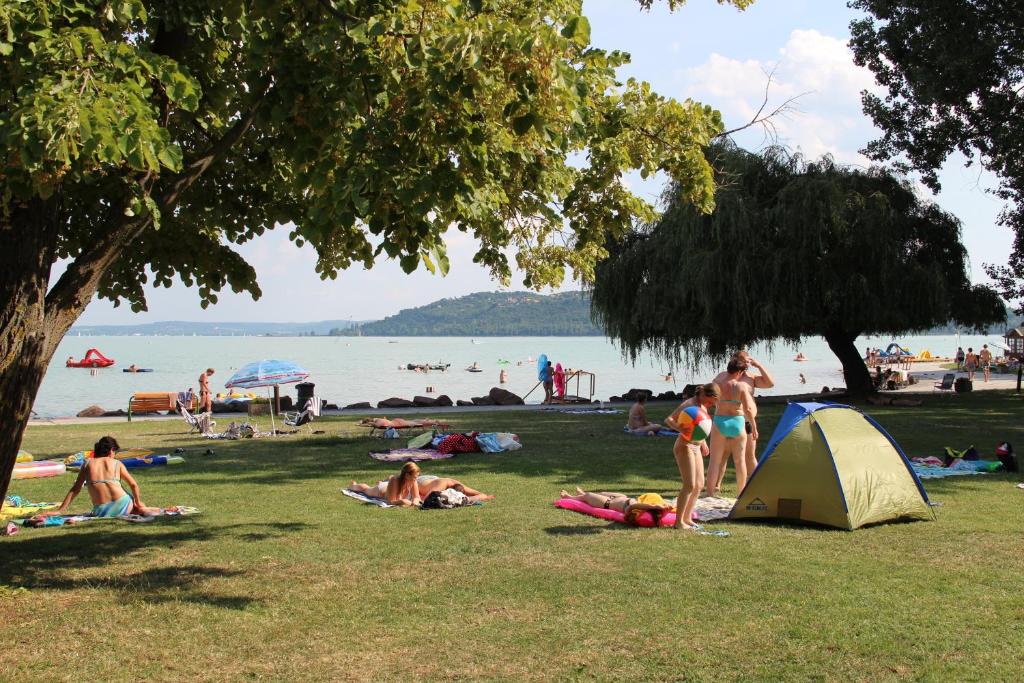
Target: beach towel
409, 455
379, 502
585, 411
68, 520
16, 507
661, 432
930, 472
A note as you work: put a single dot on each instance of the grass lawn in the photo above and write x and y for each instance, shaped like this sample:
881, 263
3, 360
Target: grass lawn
283, 578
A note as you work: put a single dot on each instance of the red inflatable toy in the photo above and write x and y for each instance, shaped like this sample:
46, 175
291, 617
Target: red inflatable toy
92, 359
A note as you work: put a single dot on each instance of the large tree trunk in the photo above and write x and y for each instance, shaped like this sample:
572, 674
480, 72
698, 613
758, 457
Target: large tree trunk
27, 247
858, 378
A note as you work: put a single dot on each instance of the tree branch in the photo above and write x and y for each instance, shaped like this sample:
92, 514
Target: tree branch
765, 120
73, 291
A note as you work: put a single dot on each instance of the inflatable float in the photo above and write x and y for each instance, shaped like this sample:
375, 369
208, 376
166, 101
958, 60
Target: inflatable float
643, 519
559, 381
38, 469
23, 456
236, 396
92, 359
75, 460
542, 362
136, 369
154, 461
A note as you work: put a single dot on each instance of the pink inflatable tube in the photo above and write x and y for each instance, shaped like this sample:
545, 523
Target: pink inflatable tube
38, 469
644, 519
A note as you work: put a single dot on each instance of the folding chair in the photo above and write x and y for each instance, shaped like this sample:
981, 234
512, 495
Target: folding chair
946, 384
201, 423
305, 416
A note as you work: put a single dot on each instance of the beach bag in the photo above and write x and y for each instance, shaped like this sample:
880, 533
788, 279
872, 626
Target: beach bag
391, 433
508, 441
1004, 452
488, 443
445, 500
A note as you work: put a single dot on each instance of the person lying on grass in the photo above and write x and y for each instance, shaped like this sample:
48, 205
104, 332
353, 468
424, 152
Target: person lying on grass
409, 487
631, 508
103, 474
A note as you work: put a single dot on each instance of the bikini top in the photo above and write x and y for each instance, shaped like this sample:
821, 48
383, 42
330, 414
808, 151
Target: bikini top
732, 400
93, 482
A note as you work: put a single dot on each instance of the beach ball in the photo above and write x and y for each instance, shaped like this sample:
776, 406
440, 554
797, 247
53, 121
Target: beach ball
694, 423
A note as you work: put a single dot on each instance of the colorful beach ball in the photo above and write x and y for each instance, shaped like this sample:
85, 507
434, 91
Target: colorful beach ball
694, 423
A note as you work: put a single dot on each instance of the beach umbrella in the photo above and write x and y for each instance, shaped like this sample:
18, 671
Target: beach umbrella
267, 373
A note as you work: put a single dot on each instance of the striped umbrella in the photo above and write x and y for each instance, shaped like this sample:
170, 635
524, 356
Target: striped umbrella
267, 373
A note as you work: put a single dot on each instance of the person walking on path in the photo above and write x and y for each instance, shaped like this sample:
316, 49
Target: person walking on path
205, 397
985, 358
970, 363
959, 358
761, 380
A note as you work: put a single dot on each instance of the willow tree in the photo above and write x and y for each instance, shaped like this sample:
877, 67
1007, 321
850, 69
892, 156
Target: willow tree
141, 139
793, 249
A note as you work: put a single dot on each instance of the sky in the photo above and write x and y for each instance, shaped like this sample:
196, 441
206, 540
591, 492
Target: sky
714, 54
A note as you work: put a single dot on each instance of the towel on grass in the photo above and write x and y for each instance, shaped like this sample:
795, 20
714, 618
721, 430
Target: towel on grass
929, 472
16, 507
661, 432
409, 455
66, 520
379, 502
585, 411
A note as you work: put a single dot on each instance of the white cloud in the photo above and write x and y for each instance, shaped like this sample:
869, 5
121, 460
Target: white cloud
816, 69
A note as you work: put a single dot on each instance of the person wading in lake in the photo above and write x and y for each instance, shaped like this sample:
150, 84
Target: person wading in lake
205, 397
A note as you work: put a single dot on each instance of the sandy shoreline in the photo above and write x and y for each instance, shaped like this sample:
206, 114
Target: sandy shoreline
926, 374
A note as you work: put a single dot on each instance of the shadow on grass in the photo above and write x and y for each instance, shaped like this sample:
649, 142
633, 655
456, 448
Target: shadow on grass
44, 560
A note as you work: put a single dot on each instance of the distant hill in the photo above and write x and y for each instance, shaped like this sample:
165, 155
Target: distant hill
182, 328
490, 314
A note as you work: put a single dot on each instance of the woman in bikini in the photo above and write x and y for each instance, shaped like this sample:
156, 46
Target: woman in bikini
103, 474
620, 502
397, 489
728, 435
689, 456
410, 487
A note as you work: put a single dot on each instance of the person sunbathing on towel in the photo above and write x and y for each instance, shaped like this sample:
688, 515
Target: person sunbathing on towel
409, 487
397, 489
638, 422
429, 483
631, 508
103, 474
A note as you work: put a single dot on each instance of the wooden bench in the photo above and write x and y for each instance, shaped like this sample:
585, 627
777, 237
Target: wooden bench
154, 402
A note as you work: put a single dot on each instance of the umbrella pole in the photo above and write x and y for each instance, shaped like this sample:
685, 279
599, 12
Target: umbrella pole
273, 426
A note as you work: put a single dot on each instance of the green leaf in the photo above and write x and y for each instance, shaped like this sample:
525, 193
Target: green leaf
522, 124
409, 262
577, 30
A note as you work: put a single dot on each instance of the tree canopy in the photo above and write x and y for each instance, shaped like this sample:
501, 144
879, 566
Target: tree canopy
140, 140
952, 72
794, 248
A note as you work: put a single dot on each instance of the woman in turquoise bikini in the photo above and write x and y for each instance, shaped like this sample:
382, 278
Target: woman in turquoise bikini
728, 435
103, 474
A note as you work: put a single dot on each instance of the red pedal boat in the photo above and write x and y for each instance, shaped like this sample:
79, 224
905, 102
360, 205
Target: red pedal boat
92, 359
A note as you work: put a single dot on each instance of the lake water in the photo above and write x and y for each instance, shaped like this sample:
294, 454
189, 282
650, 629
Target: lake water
353, 369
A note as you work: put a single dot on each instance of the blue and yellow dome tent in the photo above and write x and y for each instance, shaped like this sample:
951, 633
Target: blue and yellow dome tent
831, 464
